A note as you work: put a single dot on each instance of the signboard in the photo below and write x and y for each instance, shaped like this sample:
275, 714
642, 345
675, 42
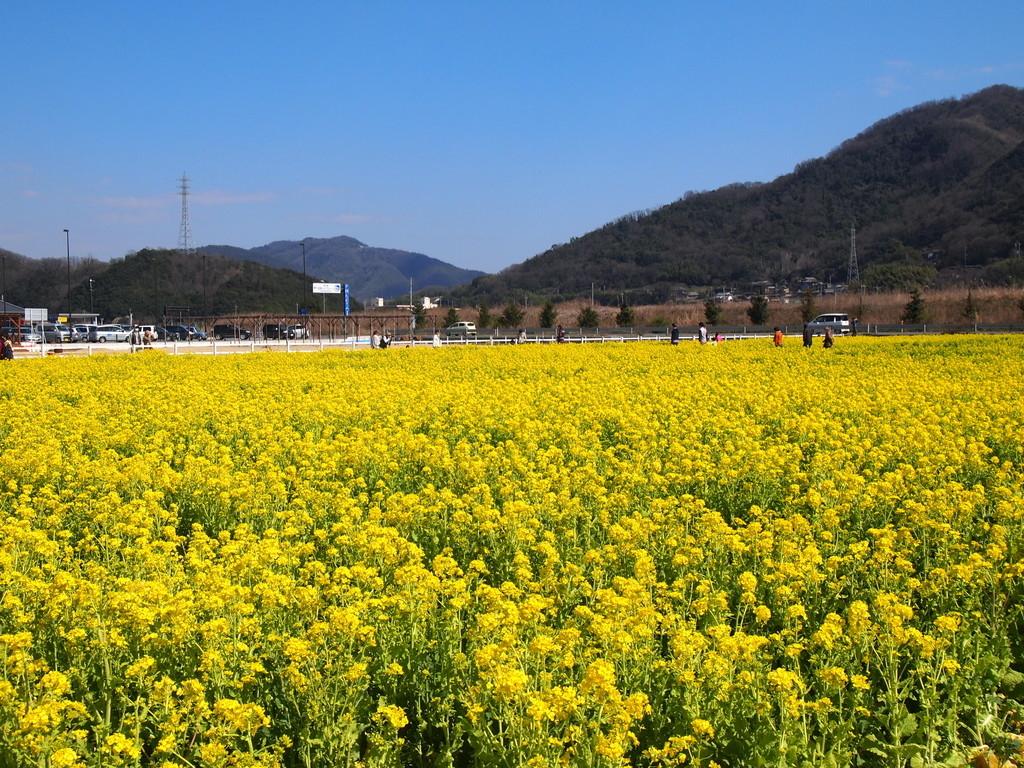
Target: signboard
326, 287
36, 315
347, 308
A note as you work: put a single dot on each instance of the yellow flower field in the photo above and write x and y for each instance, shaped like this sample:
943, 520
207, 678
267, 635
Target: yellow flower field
603, 555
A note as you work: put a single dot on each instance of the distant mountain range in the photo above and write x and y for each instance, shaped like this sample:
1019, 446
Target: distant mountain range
936, 193
370, 271
221, 279
145, 282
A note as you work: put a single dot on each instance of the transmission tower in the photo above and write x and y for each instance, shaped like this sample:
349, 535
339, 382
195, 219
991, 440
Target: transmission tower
853, 270
185, 232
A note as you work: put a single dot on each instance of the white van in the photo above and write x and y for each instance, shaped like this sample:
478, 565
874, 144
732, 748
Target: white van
839, 323
461, 328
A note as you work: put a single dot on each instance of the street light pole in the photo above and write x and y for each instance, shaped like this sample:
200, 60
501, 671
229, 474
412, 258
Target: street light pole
92, 305
305, 287
67, 242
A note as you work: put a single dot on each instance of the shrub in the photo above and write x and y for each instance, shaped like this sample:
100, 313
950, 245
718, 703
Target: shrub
484, 319
512, 315
807, 308
548, 315
758, 310
587, 318
913, 312
712, 312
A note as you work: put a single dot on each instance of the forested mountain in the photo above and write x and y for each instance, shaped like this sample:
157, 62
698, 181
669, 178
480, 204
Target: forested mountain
145, 282
370, 271
936, 193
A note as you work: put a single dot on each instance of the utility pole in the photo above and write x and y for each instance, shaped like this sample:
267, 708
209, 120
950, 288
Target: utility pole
67, 242
185, 228
305, 286
853, 268
92, 305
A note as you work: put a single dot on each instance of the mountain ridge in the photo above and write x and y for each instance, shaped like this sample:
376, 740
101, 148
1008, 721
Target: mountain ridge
937, 188
369, 270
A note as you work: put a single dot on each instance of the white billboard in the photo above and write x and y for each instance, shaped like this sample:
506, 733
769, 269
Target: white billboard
326, 287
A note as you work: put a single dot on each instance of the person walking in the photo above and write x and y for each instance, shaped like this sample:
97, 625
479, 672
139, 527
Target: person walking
674, 335
437, 339
702, 333
777, 337
6, 348
375, 340
808, 336
828, 341
560, 334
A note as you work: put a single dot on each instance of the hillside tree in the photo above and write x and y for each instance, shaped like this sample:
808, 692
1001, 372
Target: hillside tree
587, 318
484, 319
548, 315
807, 309
452, 317
624, 318
712, 312
758, 310
419, 315
970, 307
913, 312
511, 316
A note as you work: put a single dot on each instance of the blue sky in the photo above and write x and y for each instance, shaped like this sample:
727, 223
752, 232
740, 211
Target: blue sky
479, 133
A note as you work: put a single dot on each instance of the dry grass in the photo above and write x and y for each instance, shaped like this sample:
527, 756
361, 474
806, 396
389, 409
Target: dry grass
994, 305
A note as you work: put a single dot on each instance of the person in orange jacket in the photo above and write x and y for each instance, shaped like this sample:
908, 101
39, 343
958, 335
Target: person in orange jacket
777, 338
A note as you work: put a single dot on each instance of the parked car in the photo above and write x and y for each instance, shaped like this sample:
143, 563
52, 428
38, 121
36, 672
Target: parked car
278, 331
461, 328
105, 333
182, 333
80, 332
195, 333
55, 333
837, 321
299, 331
229, 331
22, 333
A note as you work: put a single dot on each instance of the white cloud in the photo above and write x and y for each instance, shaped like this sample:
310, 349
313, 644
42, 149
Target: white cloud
886, 85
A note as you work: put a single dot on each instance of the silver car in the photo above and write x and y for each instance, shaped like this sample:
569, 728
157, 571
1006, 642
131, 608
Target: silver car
105, 333
56, 333
839, 323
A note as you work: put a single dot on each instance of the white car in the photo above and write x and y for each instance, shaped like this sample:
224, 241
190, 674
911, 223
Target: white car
105, 333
